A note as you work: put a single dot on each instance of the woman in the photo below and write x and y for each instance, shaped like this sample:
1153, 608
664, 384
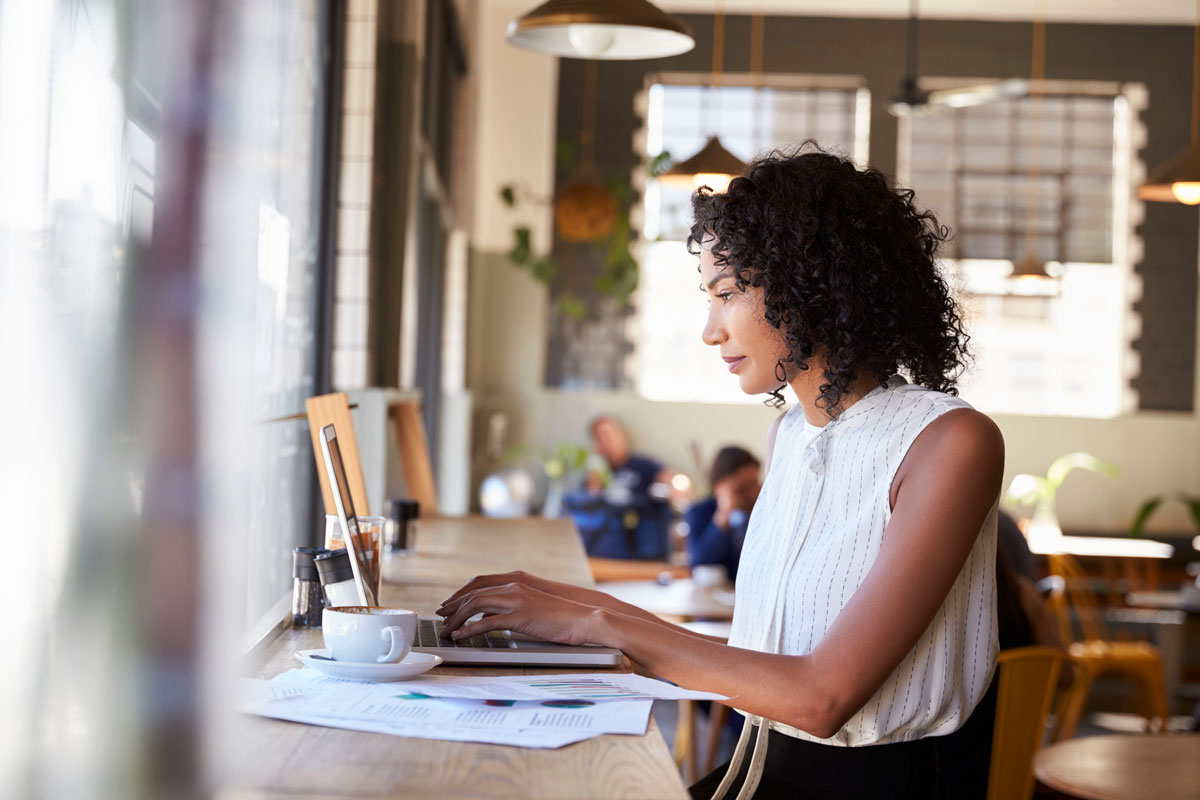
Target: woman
717, 524
864, 640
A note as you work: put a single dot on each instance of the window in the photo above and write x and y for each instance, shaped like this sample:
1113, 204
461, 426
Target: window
282, 200
1047, 177
672, 362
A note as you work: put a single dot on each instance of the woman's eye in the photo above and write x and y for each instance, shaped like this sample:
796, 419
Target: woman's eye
725, 296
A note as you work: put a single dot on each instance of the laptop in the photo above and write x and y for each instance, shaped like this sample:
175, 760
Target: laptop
504, 648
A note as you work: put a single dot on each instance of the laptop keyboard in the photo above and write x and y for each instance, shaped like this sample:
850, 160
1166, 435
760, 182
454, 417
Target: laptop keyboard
429, 635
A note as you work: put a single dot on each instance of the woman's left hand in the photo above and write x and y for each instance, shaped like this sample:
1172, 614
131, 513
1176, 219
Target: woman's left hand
519, 607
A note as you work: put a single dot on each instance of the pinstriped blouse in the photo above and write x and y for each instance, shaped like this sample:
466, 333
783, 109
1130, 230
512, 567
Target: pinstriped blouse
814, 534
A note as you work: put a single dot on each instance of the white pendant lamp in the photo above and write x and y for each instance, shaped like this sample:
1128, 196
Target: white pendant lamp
609, 30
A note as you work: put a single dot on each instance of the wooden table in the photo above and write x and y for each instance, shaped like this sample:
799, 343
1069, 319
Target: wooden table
1145, 767
290, 759
681, 599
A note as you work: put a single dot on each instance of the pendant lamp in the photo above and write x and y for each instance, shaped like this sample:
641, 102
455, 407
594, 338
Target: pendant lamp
610, 30
713, 166
1029, 275
1178, 180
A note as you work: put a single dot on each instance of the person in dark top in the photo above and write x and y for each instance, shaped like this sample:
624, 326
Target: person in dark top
629, 515
1010, 539
717, 524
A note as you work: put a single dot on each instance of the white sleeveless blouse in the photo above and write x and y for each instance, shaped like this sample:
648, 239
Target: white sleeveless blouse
815, 532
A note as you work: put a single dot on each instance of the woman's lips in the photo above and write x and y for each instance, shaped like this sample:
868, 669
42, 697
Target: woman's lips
734, 363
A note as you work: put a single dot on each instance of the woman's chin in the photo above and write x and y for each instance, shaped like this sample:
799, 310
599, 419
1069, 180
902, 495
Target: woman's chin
752, 387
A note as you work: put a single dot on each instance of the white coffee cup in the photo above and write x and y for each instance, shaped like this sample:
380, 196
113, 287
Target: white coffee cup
368, 634
710, 575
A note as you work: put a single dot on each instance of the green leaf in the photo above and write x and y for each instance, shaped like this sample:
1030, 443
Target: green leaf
544, 269
571, 306
520, 252
618, 187
1143, 514
1193, 504
508, 195
660, 163
565, 155
1064, 464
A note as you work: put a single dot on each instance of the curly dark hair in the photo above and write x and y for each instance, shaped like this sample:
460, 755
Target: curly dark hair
846, 262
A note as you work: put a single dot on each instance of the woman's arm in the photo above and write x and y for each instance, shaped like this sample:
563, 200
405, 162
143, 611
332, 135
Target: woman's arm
581, 600
941, 494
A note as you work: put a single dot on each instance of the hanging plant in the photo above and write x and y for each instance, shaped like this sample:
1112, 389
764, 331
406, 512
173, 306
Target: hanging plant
586, 211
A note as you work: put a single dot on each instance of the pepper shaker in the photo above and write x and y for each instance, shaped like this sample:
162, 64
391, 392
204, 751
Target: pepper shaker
400, 528
306, 588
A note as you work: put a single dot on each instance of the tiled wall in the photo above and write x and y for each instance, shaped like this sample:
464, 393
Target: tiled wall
351, 348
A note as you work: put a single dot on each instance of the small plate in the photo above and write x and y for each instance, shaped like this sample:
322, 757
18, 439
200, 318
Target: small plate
410, 666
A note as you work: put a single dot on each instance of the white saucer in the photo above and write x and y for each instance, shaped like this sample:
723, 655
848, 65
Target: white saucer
412, 665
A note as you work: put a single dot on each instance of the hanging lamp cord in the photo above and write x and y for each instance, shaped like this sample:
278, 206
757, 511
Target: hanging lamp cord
587, 136
1196, 78
756, 73
1037, 73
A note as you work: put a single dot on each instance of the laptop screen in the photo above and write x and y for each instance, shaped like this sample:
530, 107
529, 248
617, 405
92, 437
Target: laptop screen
340, 488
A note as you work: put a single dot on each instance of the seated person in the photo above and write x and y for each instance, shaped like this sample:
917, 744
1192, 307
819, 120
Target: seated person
629, 515
717, 525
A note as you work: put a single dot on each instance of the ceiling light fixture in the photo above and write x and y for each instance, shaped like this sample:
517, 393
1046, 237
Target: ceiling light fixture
1178, 180
609, 30
1029, 275
713, 166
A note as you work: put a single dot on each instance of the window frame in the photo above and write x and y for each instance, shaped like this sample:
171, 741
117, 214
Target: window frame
1127, 211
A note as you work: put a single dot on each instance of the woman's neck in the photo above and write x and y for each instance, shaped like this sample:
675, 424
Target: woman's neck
807, 386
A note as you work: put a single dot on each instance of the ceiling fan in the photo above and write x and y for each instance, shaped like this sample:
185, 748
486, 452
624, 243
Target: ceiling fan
912, 99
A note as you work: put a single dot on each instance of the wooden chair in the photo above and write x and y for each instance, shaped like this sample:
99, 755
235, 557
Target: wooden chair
1028, 676
1096, 654
414, 454
326, 409
620, 569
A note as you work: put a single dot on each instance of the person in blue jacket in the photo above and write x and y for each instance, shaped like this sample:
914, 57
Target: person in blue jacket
717, 525
629, 514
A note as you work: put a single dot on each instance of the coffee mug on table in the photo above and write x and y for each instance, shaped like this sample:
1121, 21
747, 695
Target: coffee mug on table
368, 634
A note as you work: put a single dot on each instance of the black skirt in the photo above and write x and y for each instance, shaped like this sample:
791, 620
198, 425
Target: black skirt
951, 767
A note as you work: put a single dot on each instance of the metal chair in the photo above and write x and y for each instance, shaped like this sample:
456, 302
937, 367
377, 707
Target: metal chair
1028, 676
1095, 654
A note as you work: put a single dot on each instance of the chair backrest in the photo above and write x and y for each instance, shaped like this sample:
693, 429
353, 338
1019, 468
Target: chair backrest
414, 454
1028, 677
326, 409
1075, 593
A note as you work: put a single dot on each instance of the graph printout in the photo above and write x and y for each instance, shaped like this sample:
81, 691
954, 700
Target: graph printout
400, 710
588, 686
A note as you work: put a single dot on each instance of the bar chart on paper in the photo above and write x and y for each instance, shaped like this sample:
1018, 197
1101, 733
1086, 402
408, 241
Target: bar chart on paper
587, 689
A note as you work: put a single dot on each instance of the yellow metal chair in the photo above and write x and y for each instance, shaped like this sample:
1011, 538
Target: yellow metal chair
1095, 654
1028, 676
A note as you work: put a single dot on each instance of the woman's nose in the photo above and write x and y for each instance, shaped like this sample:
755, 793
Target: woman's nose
714, 331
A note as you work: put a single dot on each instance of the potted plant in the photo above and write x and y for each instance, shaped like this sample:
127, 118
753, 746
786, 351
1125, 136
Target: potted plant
1040, 492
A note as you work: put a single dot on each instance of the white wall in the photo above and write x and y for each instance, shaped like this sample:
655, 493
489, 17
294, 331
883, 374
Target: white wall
1157, 451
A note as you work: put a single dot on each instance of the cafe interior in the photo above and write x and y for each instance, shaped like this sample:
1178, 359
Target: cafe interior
455, 231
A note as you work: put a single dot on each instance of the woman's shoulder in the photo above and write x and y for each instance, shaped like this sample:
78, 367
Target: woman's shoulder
957, 439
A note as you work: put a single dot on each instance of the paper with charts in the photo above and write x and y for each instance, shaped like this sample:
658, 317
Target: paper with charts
401, 709
590, 686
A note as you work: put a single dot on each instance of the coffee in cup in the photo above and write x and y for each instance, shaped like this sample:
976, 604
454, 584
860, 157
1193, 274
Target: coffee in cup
368, 634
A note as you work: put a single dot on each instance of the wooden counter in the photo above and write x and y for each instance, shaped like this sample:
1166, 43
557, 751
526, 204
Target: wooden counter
291, 759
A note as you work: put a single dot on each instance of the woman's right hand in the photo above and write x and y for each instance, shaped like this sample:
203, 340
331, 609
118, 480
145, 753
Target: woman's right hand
578, 594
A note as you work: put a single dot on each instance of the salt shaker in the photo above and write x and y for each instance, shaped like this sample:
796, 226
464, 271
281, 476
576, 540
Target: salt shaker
306, 587
337, 578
